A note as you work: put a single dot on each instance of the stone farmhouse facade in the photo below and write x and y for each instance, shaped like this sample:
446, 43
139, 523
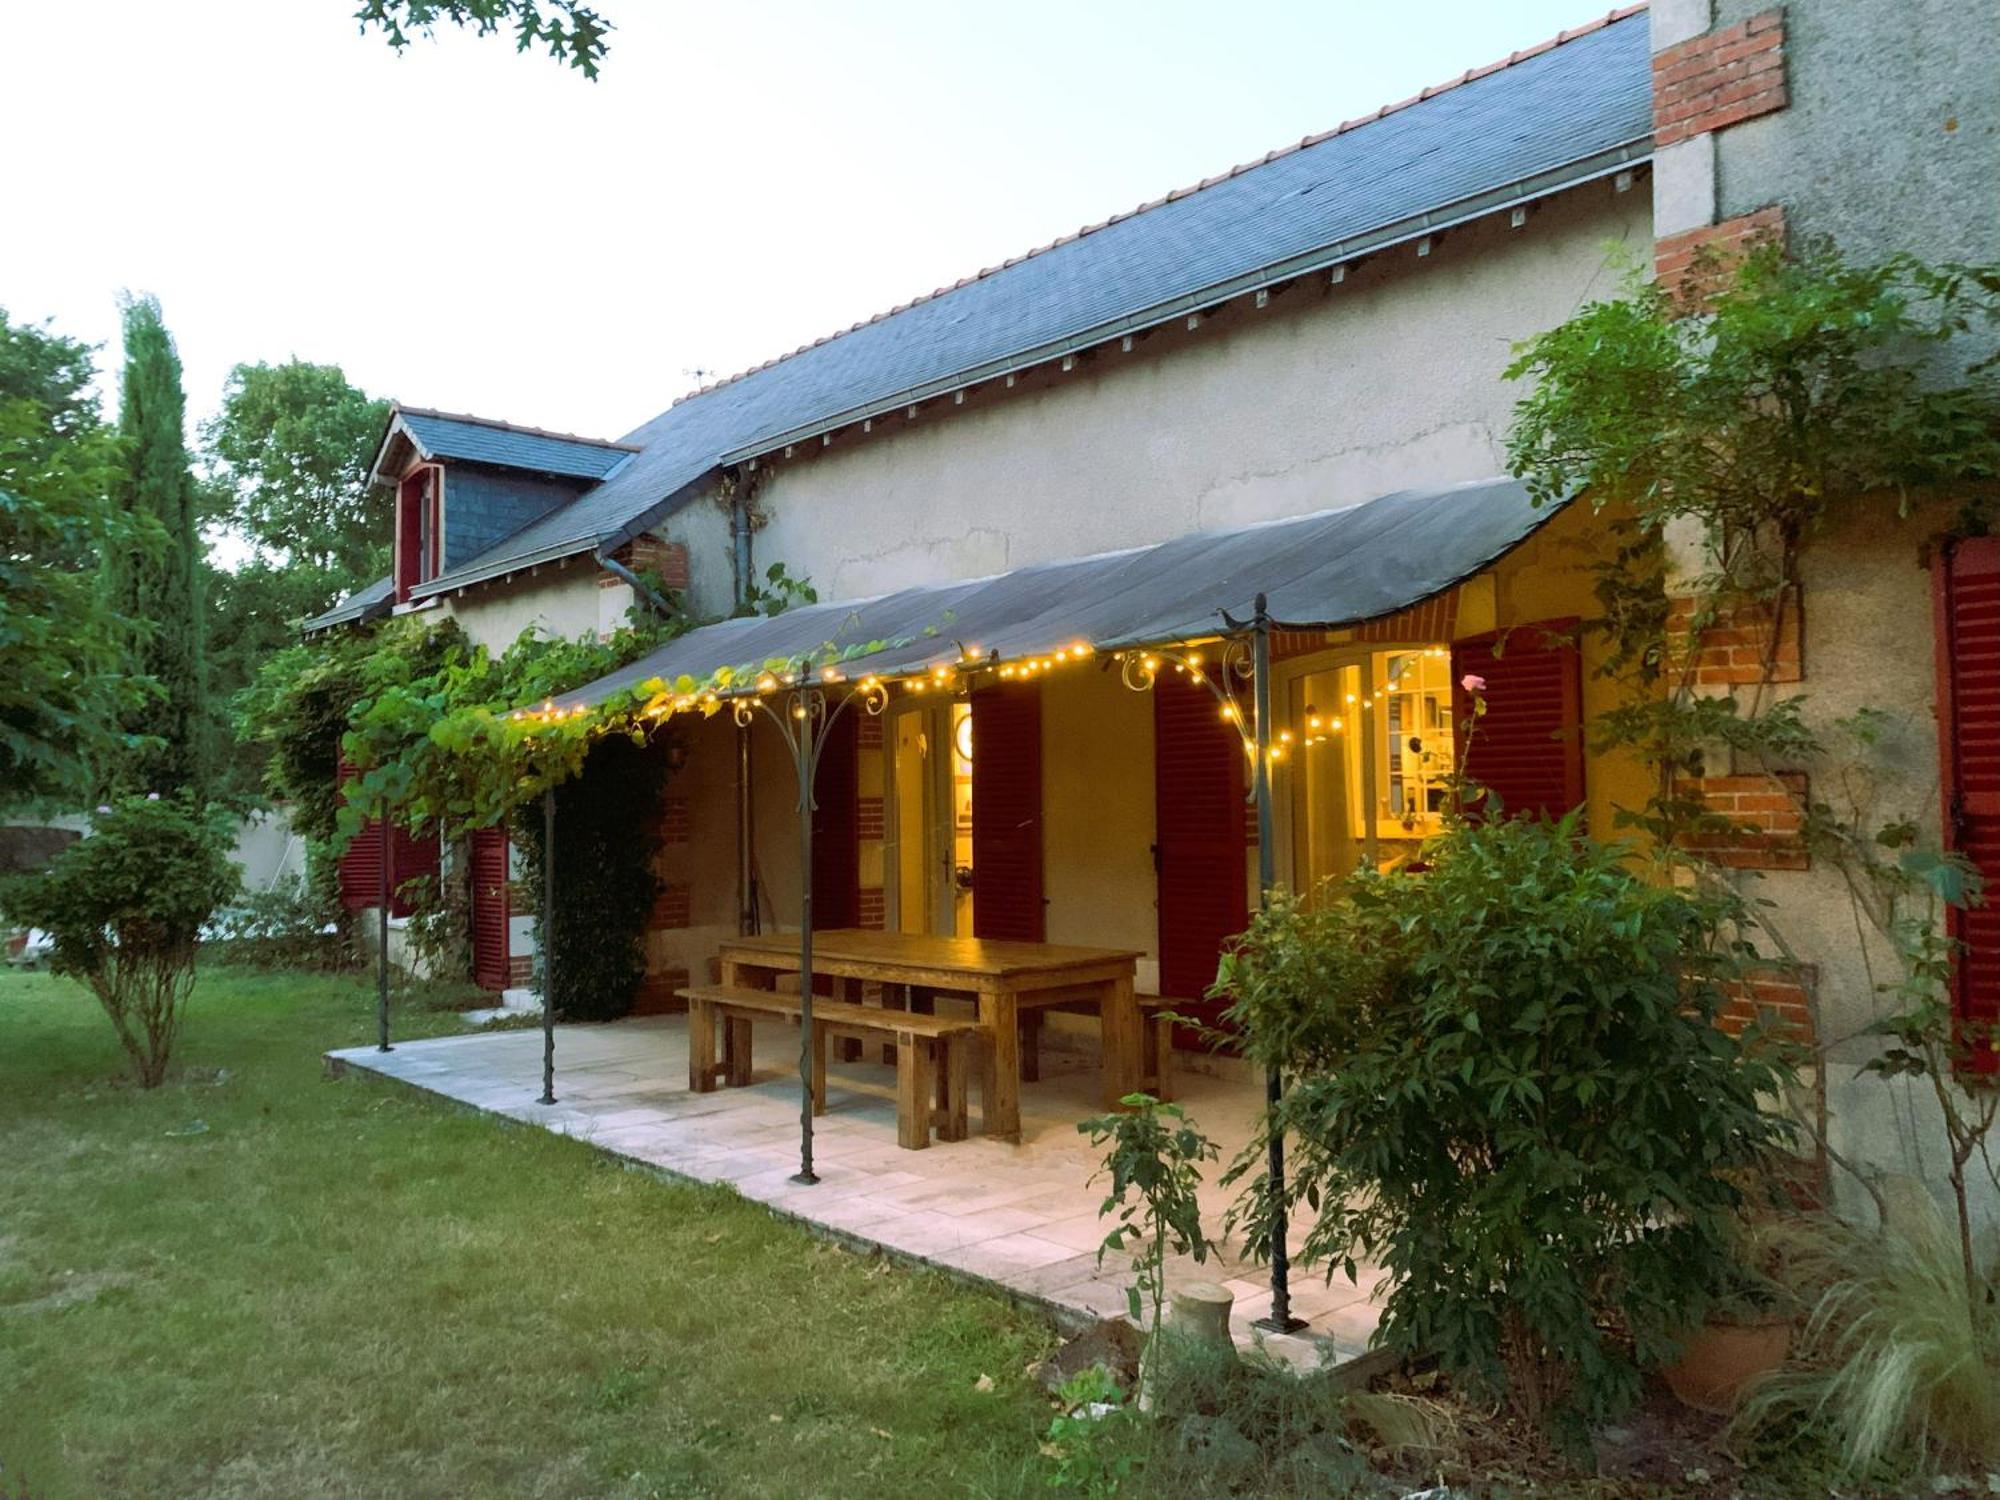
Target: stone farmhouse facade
1303, 333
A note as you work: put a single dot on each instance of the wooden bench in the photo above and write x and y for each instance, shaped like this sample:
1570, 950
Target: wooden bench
932, 1052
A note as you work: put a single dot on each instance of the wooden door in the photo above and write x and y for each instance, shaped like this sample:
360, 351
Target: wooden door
1200, 848
836, 857
1007, 890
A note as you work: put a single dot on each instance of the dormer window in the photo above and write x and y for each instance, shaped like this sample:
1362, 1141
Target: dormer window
419, 528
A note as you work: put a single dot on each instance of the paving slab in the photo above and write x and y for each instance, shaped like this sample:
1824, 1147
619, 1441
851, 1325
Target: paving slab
1019, 1216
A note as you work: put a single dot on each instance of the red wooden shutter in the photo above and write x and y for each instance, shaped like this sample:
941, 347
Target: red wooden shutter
412, 856
1528, 746
1966, 590
836, 860
1199, 823
489, 908
360, 865
1007, 812
410, 502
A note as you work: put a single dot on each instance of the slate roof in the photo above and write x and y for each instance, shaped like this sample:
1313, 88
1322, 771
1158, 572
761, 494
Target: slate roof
1575, 108
478, 440
1332, 568
362, 604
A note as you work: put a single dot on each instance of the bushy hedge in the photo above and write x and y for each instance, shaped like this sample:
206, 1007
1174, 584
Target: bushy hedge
1507, 1088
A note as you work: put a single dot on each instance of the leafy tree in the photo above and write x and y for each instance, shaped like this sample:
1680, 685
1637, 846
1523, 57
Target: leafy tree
287, 460
291, 447
572, 31
60, 688
159, 592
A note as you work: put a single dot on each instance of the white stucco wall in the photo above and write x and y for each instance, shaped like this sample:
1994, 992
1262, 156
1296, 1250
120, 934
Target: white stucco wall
1328, 396
564, 599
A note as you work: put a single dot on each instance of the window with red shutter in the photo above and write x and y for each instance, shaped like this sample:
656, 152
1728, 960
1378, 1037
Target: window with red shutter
837, 827
1200, 847
412, 857
489, 908
1966, 592
1527, 748
1007, 812
359, 869
411, 500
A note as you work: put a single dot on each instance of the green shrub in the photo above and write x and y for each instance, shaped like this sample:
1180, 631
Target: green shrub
294, 925
1508, 1090
126, 907
607, 835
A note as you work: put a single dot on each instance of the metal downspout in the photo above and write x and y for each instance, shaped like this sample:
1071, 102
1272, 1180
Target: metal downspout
612, 565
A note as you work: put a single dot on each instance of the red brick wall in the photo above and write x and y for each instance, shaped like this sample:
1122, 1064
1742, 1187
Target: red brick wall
874, 913
656, 995
673, 907
648, 554
1779, 994
1766, 812
520, 970
1680, 265
1732, 649
1720, 78
676, 820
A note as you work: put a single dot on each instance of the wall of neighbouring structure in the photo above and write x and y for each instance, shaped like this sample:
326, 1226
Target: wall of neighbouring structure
1877, 126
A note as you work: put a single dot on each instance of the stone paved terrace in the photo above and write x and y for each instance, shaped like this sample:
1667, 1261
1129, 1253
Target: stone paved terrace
1023, 1217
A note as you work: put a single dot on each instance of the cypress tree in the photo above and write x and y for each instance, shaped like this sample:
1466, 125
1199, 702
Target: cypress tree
157, 590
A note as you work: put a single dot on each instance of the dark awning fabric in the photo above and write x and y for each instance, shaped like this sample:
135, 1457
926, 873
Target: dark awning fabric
1319, 571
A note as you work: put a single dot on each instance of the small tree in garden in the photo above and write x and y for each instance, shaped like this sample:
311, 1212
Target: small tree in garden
1510, 1093
1154, 1163
126, 907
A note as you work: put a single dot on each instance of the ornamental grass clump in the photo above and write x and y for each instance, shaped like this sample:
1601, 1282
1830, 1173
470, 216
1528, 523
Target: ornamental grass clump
1506, 1087
126, 906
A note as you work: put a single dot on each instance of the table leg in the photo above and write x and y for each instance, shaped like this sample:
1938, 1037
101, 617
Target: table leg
1000, 1087
850, 1046
1031, 1046
1118, 1011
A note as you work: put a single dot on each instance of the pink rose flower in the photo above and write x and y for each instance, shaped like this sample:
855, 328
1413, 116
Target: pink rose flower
1472, 682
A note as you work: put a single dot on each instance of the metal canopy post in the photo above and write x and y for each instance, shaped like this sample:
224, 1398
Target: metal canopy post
548, 947
382, 942
1280, 1319
805, 724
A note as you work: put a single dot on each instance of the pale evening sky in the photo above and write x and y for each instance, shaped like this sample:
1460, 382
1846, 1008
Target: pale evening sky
468, 228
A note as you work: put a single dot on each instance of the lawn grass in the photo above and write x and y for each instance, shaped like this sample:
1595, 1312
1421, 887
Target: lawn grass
256, 1281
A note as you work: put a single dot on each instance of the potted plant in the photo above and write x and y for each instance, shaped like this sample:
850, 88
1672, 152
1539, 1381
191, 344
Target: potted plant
1745, 1335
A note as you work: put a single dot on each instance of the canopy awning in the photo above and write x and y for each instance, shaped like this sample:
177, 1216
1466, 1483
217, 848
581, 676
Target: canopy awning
1321, 571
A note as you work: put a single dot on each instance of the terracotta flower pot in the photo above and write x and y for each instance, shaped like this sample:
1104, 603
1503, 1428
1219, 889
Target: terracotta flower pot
1719, 1359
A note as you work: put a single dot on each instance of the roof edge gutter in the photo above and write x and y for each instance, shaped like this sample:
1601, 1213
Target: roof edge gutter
1515, 194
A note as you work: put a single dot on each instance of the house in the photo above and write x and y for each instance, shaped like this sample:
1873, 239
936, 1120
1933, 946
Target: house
1309, 340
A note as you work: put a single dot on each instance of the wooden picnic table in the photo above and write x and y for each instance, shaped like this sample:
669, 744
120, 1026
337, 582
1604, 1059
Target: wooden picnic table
1004, 978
